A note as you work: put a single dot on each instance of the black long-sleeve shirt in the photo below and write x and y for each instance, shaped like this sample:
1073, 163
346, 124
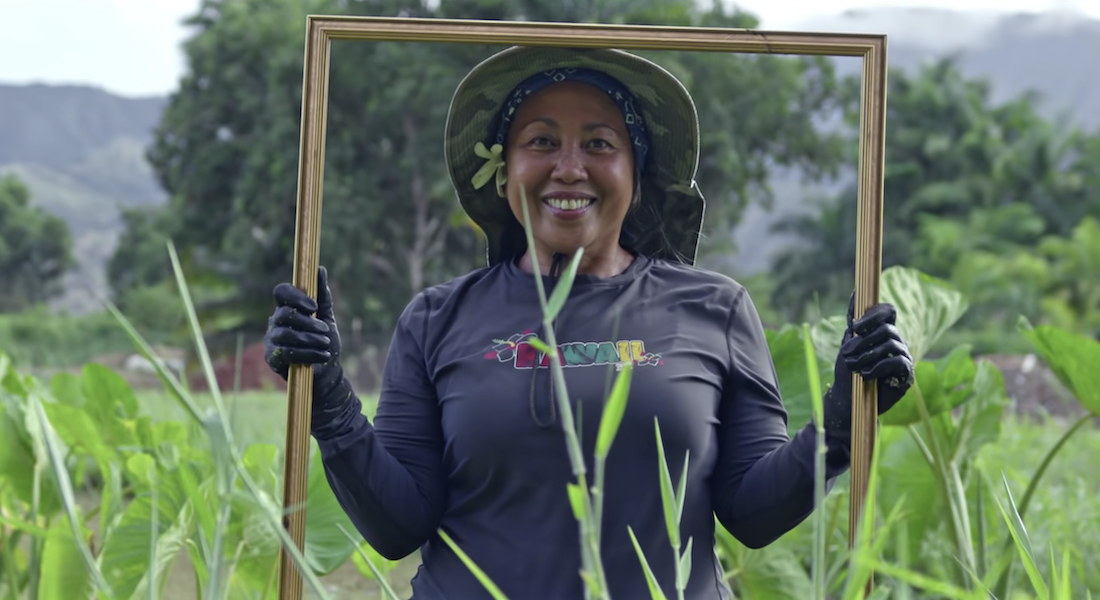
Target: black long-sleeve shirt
466, 437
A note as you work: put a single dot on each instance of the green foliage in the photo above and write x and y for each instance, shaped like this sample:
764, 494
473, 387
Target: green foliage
1073, 359
932, 443
35, 249
169, 487
38, 338
989, 197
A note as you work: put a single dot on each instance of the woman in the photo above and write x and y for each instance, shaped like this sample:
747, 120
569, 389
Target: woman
467, 438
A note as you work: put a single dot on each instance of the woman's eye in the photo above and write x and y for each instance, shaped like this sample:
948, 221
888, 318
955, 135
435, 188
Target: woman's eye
598, 143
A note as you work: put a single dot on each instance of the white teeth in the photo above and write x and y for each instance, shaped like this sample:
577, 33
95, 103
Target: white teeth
569, 204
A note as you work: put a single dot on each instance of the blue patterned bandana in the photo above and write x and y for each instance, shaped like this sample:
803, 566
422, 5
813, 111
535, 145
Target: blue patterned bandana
618, 93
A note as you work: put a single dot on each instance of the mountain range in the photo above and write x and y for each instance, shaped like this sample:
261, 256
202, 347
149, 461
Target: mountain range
81, 152
81, 149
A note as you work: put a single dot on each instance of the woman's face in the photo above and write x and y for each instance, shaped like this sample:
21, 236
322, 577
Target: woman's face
570, 150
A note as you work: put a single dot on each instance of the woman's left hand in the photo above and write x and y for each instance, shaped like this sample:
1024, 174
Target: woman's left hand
871, 346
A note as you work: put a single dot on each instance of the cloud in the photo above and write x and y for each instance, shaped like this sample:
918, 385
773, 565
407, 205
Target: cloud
129, 47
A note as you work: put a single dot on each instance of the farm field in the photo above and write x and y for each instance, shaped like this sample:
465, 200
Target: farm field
976, 471
1065, 512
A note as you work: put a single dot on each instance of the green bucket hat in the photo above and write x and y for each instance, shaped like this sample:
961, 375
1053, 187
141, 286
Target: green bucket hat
667, 220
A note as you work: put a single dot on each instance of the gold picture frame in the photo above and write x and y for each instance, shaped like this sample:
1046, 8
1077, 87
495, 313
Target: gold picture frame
322, 30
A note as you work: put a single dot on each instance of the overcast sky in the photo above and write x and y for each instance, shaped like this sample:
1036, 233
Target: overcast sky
131, 47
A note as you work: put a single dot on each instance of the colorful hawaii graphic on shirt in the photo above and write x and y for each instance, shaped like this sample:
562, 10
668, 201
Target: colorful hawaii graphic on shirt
523, 355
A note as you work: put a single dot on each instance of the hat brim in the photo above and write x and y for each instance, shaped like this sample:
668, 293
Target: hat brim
669, 217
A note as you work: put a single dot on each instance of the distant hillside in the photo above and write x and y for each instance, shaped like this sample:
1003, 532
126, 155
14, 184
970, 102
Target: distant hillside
1054, 55
58, 126
81, 149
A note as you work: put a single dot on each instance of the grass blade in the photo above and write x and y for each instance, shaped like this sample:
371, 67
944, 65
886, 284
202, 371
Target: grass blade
929, 584
1001, 588
668, 496
167, 378
1023, 543
487, 583
592, 569
655, 592
613, 411
200, 345
65, 487
563, 287
531, 254
817, 562
684, 568
383, 583
681, 490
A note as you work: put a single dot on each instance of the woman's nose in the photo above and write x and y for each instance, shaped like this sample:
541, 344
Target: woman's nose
570, 166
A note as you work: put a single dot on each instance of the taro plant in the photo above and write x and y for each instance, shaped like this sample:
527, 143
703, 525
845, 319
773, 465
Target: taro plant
930, 445
166, 488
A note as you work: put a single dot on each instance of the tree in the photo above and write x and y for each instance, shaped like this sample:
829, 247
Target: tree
965, 181
226, 148
35, 249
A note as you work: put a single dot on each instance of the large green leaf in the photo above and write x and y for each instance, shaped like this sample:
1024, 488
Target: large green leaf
68, 389
77, 429
911, 481
326, 547
773, 573
108, 391
63, 577
24, 453
17, 458
943, 385
16, 453
982, 414
927, 307
789, 357
257, 561
1074, 360
826, 336
111, 402
125, 558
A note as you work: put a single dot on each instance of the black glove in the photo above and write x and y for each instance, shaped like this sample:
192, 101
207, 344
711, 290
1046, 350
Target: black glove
295, 337
872, 347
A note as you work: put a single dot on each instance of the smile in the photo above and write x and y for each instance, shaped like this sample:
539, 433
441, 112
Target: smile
569, 203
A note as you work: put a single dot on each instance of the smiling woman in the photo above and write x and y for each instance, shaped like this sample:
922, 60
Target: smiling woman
570, 150
603, 145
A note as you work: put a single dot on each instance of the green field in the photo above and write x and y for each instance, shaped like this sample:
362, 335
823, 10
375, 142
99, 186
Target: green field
968, 481
260, 418
1065, 511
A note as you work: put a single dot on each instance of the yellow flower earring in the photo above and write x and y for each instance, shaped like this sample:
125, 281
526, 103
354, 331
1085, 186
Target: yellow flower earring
494, 165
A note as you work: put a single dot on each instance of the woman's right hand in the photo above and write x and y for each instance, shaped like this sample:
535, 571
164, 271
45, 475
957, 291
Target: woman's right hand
295, 337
